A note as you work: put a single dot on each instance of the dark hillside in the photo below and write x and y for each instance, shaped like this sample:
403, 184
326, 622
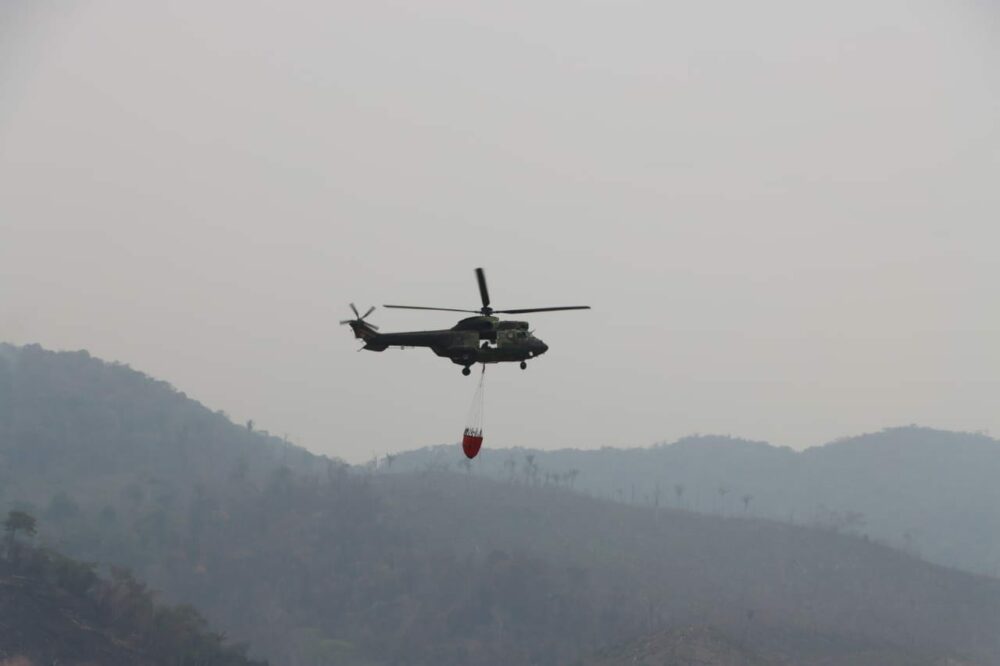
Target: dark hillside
315, 563
54, 610
695, 645
77, 431
707, 646
672, 568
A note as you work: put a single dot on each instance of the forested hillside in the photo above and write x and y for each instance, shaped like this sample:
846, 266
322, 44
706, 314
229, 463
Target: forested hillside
70, 418
711, 647
317, 563
56, 610
929, 492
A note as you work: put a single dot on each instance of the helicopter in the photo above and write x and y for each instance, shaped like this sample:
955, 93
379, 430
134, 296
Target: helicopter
479, 339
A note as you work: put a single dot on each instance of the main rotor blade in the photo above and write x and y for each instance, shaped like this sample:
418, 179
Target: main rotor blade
418, 307
370, 310
356, 314
524, 310
483, 292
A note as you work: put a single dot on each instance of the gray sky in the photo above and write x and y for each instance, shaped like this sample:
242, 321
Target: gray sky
786, 215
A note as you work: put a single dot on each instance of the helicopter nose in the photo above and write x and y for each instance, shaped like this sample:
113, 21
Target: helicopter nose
542, 348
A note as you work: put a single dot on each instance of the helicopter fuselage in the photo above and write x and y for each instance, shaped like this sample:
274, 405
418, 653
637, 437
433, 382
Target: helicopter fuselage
481, 339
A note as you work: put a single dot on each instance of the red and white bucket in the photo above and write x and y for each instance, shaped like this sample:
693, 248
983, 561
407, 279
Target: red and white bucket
472, 440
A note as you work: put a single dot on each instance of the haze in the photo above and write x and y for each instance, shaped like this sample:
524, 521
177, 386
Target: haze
784, 215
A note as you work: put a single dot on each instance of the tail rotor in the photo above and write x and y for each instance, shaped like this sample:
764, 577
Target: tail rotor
362, 329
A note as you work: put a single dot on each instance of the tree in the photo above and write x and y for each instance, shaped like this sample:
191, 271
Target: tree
510, 466
571, 475
18, 521
679, 492
529, 467
723, 491
746, 502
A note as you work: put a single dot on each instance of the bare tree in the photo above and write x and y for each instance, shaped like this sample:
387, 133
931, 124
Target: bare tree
746, 502
571, 475
510, 466
679, 492
529, 467
723, 491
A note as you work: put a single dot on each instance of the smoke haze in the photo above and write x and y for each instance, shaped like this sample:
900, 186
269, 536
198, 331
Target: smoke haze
784, 215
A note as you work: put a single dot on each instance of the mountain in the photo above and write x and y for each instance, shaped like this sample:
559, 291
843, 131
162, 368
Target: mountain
695, 645
314, 562
707, 646
929, 492
55, 610
70, 418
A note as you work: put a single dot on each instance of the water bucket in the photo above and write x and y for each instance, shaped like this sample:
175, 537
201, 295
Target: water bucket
471, 441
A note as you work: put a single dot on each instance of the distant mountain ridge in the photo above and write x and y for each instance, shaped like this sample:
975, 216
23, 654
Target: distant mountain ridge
930, 492
66, 415
317, 563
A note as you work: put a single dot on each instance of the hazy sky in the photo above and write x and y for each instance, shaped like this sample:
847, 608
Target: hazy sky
786, 215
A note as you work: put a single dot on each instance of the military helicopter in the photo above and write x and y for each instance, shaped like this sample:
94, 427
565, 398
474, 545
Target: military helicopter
480, 339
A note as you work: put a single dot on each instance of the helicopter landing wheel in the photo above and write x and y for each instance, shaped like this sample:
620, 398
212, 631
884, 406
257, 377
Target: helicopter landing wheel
466, 371
524, 366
